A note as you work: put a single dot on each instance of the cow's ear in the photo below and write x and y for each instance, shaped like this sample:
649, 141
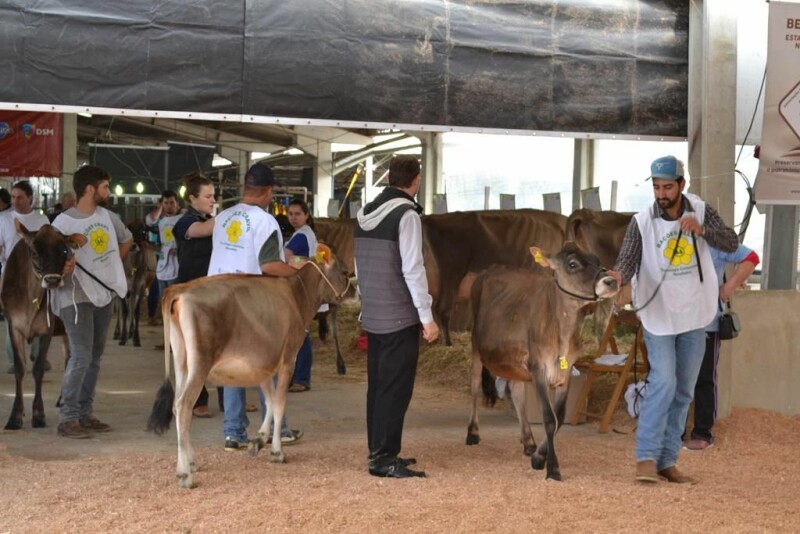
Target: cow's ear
23, 232
540, 257
75, 241
324, 256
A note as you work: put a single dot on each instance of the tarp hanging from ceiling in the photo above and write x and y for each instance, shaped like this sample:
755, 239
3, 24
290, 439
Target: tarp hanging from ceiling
555, 65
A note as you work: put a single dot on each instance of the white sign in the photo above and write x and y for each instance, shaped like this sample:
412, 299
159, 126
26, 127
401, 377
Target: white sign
552, 202
590, 198
778, 179
507, 202
333, 208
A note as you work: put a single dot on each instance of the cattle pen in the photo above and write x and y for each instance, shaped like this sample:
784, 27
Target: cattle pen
124, 481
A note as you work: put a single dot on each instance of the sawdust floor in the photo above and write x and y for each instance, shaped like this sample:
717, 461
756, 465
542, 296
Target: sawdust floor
124, 481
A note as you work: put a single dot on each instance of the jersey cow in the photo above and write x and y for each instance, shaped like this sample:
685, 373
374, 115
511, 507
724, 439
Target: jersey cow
238, 330
140, 270
35, 266
338, 234
459, 245
526, 328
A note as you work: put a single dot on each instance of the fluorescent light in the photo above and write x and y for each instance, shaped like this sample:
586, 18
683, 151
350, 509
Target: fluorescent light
118, 190
85, 114
219, 161
345, 147
139, 187
293, 152
255, 156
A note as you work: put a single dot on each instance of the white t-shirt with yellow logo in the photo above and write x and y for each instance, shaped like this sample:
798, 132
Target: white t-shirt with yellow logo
100, 256
167, 266
239, 233
683, 303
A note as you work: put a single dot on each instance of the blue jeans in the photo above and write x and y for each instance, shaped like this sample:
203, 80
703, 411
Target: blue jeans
302, 365
674, 365
235, 421
163, 285
87, 339
9, 349
153, 298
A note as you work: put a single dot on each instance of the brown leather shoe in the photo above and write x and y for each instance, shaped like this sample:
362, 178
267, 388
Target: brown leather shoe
73, 430
202, 412
646, 472
676, 477
94, 424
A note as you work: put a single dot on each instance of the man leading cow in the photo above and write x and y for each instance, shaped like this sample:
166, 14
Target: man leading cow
85, 301
666, 255
394, 301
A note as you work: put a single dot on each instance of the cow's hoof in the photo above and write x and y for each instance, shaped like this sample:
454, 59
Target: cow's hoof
185, 481
473, 439
554, 476
537, 462
137, 343
14, 424
193, 467
123, 342
277, 457
255, 445
38, 422
529, 450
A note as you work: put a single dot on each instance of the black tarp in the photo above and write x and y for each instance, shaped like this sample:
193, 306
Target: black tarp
596, 66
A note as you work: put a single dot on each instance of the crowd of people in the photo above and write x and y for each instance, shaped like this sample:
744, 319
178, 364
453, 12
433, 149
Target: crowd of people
674, 254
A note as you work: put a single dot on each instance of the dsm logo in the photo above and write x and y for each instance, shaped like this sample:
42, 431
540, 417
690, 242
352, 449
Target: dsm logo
5, 130
29, 130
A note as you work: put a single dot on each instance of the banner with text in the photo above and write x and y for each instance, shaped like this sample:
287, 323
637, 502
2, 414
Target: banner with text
778, 180
30, 144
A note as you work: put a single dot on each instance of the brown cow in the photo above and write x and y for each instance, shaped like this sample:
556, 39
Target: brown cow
338, 234
601, 233
457, 246
140, 271
35, 266
259, 324
526, 327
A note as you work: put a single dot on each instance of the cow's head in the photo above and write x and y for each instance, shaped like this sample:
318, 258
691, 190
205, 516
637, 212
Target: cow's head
139, 231
336, 282
49, 252
578, 273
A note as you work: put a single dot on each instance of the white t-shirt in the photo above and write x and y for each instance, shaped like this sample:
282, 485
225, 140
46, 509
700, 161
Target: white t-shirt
167, 266
239, 233
100, 256
8, 231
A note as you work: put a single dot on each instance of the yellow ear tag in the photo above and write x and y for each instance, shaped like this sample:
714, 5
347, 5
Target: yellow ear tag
320, 256
538, 257
36, 304
563, 363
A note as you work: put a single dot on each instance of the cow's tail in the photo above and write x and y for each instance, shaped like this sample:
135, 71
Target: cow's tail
161, 415
489, 388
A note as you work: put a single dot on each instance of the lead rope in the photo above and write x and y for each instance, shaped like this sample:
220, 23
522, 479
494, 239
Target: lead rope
338, 295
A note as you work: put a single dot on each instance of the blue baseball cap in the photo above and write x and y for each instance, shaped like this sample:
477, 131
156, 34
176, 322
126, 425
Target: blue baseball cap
667, 168
259, 175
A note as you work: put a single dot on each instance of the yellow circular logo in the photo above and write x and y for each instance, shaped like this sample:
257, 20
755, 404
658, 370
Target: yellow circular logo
234, 231
99, 240
168, 236
682, 249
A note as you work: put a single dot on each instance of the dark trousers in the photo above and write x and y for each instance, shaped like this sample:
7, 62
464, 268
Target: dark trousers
391, 369
302, 365
705, 392
153, 298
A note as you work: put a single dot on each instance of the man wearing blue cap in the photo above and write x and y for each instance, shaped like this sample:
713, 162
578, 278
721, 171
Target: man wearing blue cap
247, 239
665, 254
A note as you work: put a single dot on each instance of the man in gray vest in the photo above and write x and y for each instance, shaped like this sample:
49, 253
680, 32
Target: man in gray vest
394, 302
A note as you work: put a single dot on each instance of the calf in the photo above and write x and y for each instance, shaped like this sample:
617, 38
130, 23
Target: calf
34, 267
238, 330
140, 270
527, 327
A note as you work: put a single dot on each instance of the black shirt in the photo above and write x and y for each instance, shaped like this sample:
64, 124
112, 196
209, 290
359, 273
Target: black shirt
194, 254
